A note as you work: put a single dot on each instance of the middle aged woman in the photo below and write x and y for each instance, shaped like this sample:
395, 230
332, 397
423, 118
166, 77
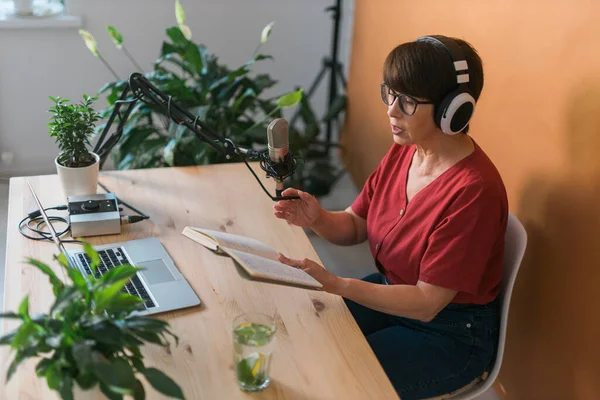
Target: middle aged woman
435, 213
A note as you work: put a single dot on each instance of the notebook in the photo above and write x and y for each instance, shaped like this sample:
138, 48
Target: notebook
257, 260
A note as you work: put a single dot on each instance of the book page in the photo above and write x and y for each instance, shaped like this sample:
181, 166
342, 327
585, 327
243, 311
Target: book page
204, 240
259, 267
240, 243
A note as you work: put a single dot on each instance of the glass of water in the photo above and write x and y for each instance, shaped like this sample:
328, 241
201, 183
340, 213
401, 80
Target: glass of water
253, 336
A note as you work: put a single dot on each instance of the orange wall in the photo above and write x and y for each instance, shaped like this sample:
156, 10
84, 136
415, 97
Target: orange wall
539, 120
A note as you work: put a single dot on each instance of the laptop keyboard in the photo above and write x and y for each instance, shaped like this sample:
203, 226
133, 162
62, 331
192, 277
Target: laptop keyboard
111, 258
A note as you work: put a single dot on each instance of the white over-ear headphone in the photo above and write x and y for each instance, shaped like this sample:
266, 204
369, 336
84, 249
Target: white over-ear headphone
455, 110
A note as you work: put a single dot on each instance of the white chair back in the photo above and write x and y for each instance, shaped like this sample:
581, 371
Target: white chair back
514, 249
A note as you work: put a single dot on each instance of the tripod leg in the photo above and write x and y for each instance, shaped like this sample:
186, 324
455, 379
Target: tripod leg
317, 80
340, 73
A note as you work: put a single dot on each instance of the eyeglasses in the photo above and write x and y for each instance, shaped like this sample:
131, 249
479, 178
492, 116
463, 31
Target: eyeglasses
408, 104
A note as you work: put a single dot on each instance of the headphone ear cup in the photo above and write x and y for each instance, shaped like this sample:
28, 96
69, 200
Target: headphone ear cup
455, 112
441, 108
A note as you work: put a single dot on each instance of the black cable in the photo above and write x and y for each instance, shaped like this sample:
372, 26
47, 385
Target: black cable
36, 217
274, 198
144, 216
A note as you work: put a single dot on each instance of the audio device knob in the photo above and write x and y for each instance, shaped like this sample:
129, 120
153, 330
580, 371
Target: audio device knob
90, 205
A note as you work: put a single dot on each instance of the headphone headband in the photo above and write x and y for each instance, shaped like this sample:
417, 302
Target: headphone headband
453, 49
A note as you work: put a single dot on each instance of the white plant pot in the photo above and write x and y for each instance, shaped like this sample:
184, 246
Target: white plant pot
78, 181
23, 7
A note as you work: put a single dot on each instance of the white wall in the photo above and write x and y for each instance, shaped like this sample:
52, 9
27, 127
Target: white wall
36, 63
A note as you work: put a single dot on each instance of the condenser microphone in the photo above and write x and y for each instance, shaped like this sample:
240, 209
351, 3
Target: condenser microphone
279, 148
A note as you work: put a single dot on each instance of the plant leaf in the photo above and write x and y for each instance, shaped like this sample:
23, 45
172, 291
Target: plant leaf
53, 377
76, 276
137, 360
176, 36
169, 152
120, 273
10, 315
105, 297
116, 375
65, 299
109, 393
124, 302
42, 366
139, 392
56, 283
24, 335
90, 42
92, 254
105, 332
194, 58
162, 383
266, 32
263, 57
186, 31
8, 338
115, 36
174, 336
86, 380
290, 99
146, 323
179, 13
20, 356
82, 353
24, 308
264, 81
150, 337
66, 387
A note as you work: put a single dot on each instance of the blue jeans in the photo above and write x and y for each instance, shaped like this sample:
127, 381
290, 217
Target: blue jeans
426, 359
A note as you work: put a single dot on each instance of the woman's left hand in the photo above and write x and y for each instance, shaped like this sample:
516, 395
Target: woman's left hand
331, 282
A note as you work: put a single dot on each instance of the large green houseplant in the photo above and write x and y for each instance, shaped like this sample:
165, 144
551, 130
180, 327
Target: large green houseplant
72, 126
230, 100
89, 336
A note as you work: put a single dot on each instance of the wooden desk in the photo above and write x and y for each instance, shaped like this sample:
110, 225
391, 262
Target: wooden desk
320, 351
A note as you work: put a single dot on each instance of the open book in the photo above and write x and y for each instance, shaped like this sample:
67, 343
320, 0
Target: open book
257, 260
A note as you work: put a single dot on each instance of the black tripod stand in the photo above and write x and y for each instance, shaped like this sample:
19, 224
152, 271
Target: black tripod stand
336, 102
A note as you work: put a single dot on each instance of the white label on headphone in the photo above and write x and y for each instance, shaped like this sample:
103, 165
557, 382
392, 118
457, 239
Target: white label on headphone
461, 65
462, 78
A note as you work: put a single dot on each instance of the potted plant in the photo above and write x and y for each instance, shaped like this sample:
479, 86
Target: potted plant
72, 126
232, 101
89, 337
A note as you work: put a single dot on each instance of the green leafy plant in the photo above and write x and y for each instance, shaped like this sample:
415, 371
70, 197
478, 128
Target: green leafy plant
230, 100
90, 336
72, 126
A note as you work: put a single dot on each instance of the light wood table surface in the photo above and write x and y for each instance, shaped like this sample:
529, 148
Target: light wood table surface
320, 352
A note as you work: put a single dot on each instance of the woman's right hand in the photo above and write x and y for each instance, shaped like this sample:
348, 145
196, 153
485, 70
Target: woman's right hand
303, 212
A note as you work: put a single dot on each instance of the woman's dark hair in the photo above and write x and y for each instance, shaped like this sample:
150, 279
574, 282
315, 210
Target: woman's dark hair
425, 70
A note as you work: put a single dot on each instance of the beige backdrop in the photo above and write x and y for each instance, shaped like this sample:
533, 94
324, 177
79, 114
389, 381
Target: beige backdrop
539, 120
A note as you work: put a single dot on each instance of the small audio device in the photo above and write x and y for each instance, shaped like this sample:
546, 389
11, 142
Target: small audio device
93, 215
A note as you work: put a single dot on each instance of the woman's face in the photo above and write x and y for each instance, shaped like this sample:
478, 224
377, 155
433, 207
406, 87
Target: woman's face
412, 129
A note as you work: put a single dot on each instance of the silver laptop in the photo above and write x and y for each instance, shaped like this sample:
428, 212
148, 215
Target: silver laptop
160, 284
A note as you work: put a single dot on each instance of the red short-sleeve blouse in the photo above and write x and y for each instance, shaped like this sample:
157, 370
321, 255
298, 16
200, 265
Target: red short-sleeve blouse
451, 234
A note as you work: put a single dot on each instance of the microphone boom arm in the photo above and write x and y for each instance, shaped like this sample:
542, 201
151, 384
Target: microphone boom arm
142, 90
